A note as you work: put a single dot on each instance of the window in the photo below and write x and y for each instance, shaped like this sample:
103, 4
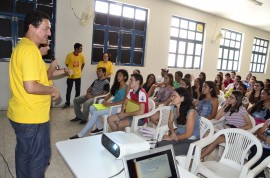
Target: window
119, 29
229, 50
12, 13
186, 43
259, 53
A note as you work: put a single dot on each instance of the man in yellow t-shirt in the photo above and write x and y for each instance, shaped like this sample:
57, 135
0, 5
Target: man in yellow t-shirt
74, 61
29, 104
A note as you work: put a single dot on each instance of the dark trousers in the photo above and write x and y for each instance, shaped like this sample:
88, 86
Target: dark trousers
69, 89
265, 154
33, 149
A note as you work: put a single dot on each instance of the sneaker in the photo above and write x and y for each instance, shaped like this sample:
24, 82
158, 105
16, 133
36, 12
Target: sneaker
75, 119
96, 131
65, 106
74, 137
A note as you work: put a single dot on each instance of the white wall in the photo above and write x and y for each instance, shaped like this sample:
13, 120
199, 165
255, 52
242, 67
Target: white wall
69, 31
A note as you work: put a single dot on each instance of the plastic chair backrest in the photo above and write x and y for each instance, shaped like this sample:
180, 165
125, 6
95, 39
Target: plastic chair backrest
237, 144
164, 115
151, 105
206, 128
255, 171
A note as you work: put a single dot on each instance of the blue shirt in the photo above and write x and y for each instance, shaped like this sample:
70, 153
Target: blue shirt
119, 94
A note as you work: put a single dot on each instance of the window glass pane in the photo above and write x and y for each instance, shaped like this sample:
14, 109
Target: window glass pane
235, 65
139, 41
259, 58
171, 61
222, 42
258, 42
228, 34
227, 42
182, 47
172, 47
232, 44
261, 50
231, 54
258, 68
250, 67
262, 43
254, 67
255, 58
264, 50
184, 24
220, 53
233, 36
224, 64
114, 21
175, 22
21, 28
100, 19
266, 44
101, 7
198, 49
180, 61
113, 38
197, 62
238, 37
263, 59
237, 45
6, 6
140, 25
190, 48
174, 32
230, 65
98, 37
5, 30
262, 68
115, 9
183, 33
140, 14
199, 36
236, 56
126, 23
24, 7
192, 26
219, 64
126, 40
189, 62
97, 53
128, 12
225, 54
191, 35
7, 45
137, 57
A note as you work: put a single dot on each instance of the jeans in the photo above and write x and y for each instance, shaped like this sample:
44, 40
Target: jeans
86, 105
95, 119
69, 89
33, 149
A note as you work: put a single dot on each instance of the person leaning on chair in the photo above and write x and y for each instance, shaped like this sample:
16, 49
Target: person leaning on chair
74, 61
99, 87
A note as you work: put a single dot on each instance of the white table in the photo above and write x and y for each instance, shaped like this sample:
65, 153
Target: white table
86, 158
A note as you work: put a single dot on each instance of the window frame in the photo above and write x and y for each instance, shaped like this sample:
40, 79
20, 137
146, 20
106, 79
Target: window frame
199, 29
257, 54
229, 49
120, 31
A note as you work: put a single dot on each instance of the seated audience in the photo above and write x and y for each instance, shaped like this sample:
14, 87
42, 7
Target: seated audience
187, 120
99, 87
178, 76
106, 62
207, 103
202, 76
267, 83
236, 116
246, 81
185, 83
159, 81
251, 83
219, 82
197, 88
264, 136
119, 90
255, 95
261, 110
150, 80
232, 85
136, 71
189, 77
233, 75
243, 89
137, 94
227, 80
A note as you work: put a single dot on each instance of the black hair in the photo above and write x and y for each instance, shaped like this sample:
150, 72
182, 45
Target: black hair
238, 76
34, 18
77, 46
244, 87
233, 72
171, 79
187, 82
138, 77
212, 86
220, 82
260, 104
186, 105
116, 84
109, 55
179, 73
203, 76
102, 68
228, 75
252, 94
138, 71
239, 98
187, 76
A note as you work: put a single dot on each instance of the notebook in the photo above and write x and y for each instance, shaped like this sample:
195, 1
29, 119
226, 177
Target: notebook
154, 163
132, 106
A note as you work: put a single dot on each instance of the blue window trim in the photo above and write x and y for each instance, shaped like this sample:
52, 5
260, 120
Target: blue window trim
121, 30
14, 24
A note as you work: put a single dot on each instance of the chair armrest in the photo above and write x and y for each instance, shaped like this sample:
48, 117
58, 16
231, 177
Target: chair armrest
214, 121
105, 118
160, 132
98, 98
256, 128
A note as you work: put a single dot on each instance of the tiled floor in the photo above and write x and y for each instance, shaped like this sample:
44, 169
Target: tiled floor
61, 129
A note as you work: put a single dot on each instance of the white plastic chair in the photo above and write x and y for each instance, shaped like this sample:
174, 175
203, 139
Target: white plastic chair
255, 171
237, 143
206, 130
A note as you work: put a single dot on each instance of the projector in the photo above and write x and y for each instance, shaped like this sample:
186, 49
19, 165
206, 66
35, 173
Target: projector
120, 143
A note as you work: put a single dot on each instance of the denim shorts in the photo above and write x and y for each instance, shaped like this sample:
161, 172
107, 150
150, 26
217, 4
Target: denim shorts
130, 118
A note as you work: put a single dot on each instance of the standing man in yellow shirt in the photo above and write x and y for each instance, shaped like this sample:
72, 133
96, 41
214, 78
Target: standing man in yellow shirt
74, 61
105, 62
29, 105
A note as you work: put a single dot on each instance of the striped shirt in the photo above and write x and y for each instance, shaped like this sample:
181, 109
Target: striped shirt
236, 118
100, 86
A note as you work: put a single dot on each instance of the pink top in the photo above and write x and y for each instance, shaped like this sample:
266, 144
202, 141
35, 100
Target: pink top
236, 118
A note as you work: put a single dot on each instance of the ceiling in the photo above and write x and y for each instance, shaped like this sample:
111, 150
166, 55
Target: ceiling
242, 11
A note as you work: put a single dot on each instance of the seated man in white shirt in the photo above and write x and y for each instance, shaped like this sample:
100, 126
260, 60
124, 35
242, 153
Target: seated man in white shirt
159, 80
231, 85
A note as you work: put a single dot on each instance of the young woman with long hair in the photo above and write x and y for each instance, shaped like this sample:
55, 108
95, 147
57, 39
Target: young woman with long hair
187, 120
150, 80
255, 95
207, 103
119, 90
219, 82
236, 116
197, 88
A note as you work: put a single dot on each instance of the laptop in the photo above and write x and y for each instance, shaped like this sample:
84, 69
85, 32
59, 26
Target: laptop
154, 163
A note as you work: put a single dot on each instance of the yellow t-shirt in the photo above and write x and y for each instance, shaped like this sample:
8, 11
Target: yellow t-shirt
75, 63
108, 66
26, 64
